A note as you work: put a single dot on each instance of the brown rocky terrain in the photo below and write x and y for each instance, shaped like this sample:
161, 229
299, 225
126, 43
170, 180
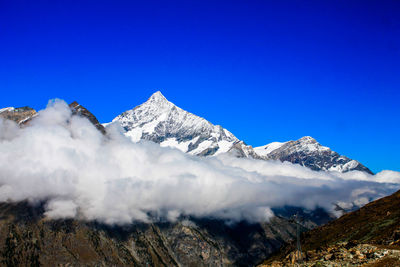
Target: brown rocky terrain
370, 235
19, 115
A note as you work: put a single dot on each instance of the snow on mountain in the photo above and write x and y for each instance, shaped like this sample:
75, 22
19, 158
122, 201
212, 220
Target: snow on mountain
6, 109
160, 121
265, 150
309, 153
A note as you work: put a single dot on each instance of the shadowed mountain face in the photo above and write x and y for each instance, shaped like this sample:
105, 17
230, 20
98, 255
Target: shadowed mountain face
82, 111
28, 239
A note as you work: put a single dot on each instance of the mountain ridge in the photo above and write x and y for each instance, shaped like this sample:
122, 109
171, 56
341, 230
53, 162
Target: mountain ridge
161, 121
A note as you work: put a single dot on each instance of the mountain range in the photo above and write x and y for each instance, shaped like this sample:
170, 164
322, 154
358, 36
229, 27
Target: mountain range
160, 121
28, 238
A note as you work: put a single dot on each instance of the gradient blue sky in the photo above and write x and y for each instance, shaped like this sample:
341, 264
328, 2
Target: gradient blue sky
265, 70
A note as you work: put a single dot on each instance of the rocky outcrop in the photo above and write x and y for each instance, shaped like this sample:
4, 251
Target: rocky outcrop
80, 110
241, 150
309, 153
24, 115
19, 115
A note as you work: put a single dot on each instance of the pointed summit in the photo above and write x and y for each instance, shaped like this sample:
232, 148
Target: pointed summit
157, 103
307, 140
160, 121
157, 97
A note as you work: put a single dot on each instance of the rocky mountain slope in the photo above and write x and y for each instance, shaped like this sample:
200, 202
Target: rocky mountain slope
373, 228
161, 121
27, 238
308, 152
82, 111
19, 115
24, 114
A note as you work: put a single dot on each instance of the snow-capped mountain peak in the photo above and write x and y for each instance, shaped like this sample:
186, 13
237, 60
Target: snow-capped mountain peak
158, 97
161, 121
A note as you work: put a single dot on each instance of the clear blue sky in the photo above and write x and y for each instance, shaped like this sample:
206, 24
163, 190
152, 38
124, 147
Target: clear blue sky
265, 70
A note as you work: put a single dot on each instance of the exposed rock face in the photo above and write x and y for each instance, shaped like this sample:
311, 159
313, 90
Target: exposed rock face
29, 239
25, 114
160, 121
77, 109
19, 115
309, 153
241, 150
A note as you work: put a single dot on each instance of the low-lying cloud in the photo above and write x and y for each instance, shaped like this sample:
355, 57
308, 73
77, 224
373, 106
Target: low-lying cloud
64, 160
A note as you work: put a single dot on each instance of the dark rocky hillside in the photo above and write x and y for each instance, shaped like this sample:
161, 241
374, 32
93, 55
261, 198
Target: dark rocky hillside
82, 111
27, 238
376, 224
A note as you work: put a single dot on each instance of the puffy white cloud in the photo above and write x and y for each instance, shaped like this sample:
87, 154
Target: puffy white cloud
63, 159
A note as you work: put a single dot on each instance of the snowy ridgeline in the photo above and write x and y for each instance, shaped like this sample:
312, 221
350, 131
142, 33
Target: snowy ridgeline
161, 121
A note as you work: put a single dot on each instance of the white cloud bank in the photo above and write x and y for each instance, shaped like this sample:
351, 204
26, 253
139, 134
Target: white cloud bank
64, 160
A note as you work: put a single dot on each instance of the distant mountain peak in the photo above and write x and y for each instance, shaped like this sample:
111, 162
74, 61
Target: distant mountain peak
161, 121
308, 140
158, 103
307, 152
157, 97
